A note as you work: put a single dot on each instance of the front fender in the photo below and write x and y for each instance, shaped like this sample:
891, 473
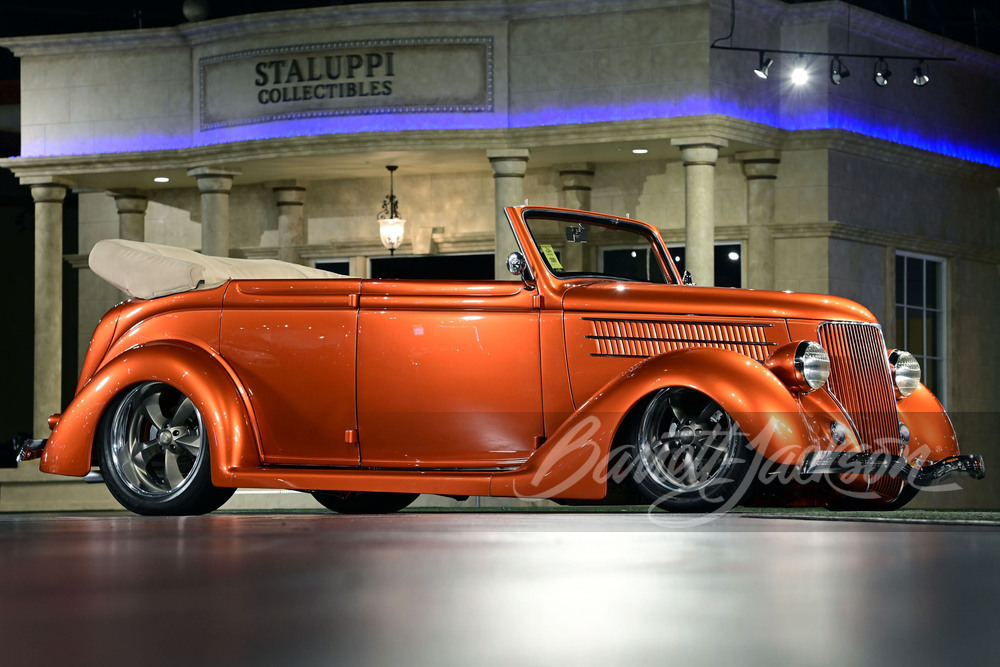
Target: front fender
573, 463
196, 372
932, 436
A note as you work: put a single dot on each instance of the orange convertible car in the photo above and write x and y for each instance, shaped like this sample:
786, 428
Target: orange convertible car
597, 374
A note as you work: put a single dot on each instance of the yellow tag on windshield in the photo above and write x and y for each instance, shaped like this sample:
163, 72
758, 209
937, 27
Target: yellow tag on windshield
551, 258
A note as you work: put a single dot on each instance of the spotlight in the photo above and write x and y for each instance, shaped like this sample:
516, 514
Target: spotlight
920, 77
765, 65
800, 75
838, 70
882, 73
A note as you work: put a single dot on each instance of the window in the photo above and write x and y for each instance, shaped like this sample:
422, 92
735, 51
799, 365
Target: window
341, 266
438, 267
728, 263
920, 315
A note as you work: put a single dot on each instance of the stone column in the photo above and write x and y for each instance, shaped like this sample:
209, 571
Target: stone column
292, 226
214, 184
699, 155
761, 170
577, 182
49, 197
131, 214
509, 167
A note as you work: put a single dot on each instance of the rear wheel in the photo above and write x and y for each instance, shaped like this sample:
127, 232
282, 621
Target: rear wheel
155, 454
689, 455
363, 502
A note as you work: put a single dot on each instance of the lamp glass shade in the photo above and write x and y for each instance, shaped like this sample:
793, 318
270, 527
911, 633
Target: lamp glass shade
390, 230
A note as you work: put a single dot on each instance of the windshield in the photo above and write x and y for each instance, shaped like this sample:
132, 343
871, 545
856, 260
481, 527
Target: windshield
578, 248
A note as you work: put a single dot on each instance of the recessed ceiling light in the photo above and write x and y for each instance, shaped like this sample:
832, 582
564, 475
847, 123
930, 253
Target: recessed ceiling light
161, 179
639, 151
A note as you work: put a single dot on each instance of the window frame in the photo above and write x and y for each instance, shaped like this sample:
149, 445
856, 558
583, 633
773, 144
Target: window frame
901, 333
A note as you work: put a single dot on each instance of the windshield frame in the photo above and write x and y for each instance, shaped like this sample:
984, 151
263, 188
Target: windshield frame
649, 233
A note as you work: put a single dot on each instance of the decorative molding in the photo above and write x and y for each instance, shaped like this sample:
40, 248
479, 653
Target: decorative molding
908, 242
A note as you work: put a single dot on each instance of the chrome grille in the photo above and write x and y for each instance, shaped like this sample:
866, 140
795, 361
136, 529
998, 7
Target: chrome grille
647, 338
861, 381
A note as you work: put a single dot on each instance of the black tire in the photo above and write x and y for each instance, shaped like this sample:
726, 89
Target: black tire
363, 502
689, 455
154, 453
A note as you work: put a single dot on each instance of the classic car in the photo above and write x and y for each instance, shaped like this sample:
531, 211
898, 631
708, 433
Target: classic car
598, 373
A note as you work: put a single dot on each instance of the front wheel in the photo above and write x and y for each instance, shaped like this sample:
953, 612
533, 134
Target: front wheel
689, 455
363, 502
155, 455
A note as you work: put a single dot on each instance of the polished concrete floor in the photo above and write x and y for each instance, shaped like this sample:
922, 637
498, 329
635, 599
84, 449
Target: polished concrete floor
553, 589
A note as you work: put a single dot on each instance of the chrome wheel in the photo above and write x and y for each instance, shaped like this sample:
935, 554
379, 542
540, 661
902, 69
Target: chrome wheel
155, 453
690, 454
156, 438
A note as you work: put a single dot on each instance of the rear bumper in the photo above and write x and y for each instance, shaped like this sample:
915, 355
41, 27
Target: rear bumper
21, 448
929, 474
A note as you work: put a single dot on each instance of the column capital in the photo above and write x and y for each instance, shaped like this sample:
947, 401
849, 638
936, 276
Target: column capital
49, 192
509, 162
576, 175
214, 179
289, 195
129, 200
760, 164
699, 150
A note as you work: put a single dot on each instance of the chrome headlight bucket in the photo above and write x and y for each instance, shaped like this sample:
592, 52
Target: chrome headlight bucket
803, 366
905, 372
813, 362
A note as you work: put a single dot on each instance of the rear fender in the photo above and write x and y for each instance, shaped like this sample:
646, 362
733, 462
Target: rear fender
573, 463
196, 372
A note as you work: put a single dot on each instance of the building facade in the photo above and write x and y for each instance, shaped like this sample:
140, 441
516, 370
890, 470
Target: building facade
269, 135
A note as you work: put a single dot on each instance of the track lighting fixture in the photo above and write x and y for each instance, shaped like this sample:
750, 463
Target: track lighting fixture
882, 72
838, 71
764, 66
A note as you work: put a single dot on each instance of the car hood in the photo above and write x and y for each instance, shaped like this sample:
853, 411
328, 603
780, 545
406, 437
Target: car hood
644, 298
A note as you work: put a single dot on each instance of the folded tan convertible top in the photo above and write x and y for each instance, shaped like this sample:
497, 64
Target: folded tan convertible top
148, 270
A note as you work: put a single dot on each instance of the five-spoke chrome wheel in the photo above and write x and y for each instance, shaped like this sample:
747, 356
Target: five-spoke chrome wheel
155, 454
689, 454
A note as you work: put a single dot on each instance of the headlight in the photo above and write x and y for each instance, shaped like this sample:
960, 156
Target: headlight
803, 366
813, 362
905, 371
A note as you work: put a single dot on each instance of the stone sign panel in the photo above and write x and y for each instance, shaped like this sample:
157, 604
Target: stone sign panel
347, 78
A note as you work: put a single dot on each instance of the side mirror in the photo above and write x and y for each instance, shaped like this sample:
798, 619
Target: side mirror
516, 263
687, 278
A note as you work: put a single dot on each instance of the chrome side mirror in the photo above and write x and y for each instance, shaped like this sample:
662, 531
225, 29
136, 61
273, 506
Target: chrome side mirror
687, 278
516, 263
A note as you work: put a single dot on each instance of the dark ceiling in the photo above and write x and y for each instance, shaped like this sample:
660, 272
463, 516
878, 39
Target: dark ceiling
975, 22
